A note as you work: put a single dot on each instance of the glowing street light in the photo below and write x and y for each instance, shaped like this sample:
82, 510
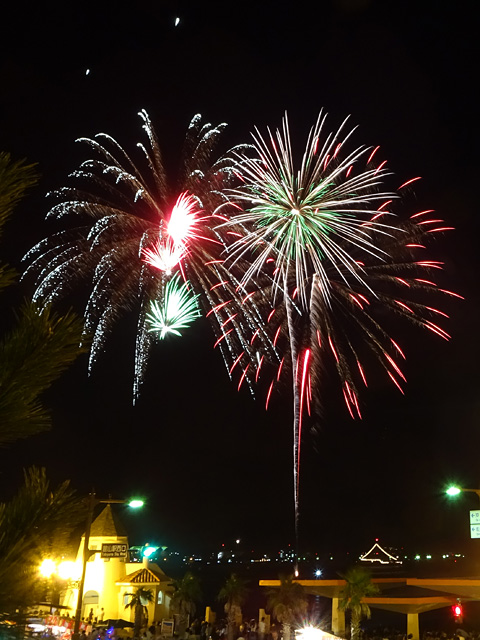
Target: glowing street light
65, 570
69, 570
47, 568
93, 502
454, 491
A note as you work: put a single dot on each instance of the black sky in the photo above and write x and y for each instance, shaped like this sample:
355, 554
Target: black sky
211, 462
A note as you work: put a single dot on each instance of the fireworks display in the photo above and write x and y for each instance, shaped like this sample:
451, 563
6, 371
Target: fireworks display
338, 259
295, 265
137, 233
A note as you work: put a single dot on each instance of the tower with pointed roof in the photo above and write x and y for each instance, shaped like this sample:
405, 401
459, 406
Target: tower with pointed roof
108, 580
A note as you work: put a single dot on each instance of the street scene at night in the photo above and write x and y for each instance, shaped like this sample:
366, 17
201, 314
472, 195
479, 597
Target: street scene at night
239, 379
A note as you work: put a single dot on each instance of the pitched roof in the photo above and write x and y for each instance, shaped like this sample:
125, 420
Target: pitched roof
144, 576
378, 554
107, 524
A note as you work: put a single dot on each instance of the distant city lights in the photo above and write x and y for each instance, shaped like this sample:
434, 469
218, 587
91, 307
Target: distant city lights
310, 561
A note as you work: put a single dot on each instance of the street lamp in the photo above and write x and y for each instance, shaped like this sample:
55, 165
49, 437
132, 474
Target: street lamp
47, 568
92, 503
65, 570
454, 491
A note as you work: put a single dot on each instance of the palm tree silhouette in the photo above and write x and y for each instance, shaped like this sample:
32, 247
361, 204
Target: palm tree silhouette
138, 601
358, 586
287, 603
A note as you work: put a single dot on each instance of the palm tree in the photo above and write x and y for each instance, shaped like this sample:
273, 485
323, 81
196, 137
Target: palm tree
287, 603
33, 355
233, 593
36, 519
187, 593
358, 586
139, 600
42, 344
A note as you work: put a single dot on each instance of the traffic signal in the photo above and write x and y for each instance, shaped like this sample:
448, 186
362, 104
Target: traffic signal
458, 612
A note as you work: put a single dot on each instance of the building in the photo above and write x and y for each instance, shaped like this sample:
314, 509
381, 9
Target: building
378, 555
109, 580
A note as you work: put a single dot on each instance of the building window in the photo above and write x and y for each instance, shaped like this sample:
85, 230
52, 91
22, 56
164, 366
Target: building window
126, 599
160, 597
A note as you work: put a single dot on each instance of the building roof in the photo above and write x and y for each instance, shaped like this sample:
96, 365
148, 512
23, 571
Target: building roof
107, 524
145, 576
379, 554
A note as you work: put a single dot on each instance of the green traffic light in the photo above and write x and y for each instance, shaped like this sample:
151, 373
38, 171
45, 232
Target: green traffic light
453, 491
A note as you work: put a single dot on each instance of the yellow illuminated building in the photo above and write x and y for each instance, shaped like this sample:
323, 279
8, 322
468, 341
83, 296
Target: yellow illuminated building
109, 580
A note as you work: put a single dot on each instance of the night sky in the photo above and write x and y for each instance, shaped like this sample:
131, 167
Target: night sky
211, 462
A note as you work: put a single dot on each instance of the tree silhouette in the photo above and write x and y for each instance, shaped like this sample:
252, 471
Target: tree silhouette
139, 600
37, 517
287, 603
358, 586
41, 345
233, 593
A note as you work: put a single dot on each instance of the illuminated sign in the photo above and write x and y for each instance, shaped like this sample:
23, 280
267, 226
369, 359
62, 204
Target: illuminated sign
114, 550
475, 523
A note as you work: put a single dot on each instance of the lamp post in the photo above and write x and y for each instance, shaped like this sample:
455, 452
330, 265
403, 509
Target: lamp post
454, 491
474, 513
92, 503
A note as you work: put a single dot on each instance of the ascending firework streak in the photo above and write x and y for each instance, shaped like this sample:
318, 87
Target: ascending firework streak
335, 254
137, 233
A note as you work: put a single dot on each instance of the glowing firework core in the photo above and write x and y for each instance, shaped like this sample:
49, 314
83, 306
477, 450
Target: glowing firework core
183, 220
164, 256
178, 311
171, 248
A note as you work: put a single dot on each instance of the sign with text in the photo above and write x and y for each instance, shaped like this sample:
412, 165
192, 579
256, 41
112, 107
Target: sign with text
167, 627
475, 516
114, 550
475, 523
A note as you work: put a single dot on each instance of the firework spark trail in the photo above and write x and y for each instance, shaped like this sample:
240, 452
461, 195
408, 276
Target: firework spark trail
137, 233
336, 254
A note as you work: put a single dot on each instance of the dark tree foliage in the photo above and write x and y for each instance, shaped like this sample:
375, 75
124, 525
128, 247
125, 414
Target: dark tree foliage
41, 345
36, 520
